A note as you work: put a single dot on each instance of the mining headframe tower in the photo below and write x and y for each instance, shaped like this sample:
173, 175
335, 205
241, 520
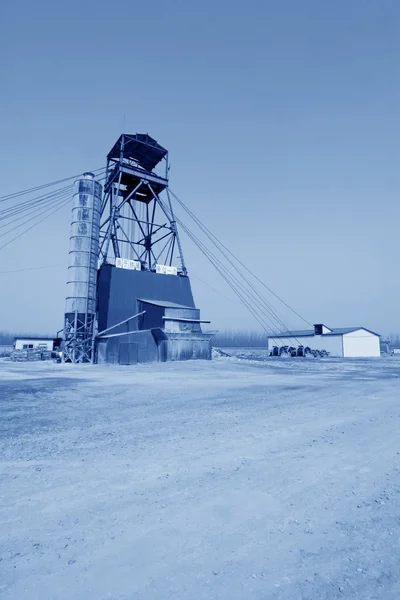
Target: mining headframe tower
129, 296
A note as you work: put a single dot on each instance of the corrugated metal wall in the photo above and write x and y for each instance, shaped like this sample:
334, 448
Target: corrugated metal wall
187, 349
120, 295
120, 289
361, 343
108, 350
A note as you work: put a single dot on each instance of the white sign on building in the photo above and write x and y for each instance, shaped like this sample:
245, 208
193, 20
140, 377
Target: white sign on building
125, 263
166, 270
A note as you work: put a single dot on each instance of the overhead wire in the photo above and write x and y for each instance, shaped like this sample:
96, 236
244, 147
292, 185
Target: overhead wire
33, 214
221, 270
45, 185
219, 244
51, 202
209, 233
19, 208
58, 206
213, 289
31, 210
31, 269
258, 299
239, 289
232, 282
33, 207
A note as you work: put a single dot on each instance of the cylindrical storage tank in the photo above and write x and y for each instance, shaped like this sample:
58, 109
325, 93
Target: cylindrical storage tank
84, 249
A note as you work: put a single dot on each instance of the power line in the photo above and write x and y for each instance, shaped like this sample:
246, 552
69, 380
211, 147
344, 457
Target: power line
213, 289
16, 209
62, 198
233, 282
45, 185
31, 269
250, 291
235, 257
31, 211
59, 205
258, 307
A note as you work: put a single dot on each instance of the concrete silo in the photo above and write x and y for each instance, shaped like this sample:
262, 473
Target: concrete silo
80, 311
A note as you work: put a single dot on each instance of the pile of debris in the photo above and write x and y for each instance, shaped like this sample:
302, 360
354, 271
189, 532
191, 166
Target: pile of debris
218, 353
299, 351
31, 354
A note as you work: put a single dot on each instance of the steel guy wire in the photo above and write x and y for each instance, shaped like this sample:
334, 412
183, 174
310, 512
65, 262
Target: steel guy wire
237, 259
15, 209
34, 209
237, 287
45, 185
36, 212
217, 243
259, 301
59, 205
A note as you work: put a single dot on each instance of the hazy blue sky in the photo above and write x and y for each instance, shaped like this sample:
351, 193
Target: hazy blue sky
282, 122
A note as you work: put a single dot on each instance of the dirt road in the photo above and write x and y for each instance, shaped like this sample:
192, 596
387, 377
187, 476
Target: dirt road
226, 480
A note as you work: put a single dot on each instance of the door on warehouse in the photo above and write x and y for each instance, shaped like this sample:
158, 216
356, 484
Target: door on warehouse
128, 353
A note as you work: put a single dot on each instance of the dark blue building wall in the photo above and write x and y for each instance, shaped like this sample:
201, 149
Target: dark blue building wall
147, 349
120, 289
121, 294
153, 316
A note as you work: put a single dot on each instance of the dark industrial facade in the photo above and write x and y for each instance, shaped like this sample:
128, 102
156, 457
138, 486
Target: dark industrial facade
169, 325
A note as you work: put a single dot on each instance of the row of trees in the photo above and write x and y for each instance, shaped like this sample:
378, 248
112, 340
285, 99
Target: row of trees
240, 339
224, 339
7, 337
394, 339
227, 339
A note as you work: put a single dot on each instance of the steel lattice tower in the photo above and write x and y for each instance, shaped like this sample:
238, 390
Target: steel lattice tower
137, 224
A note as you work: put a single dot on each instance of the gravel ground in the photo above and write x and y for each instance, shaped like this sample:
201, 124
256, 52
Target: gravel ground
228, 480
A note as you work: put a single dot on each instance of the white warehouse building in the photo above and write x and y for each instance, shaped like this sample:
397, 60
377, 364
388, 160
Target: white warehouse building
33, 343
355, 342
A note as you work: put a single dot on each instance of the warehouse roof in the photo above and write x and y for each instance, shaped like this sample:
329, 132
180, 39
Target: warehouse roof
35, 337
311, 333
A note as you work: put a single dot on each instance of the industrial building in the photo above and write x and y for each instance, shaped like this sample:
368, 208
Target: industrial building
129, 294
33, 343
354, 342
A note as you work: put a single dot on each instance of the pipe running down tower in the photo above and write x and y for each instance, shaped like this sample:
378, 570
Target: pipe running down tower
80, 310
